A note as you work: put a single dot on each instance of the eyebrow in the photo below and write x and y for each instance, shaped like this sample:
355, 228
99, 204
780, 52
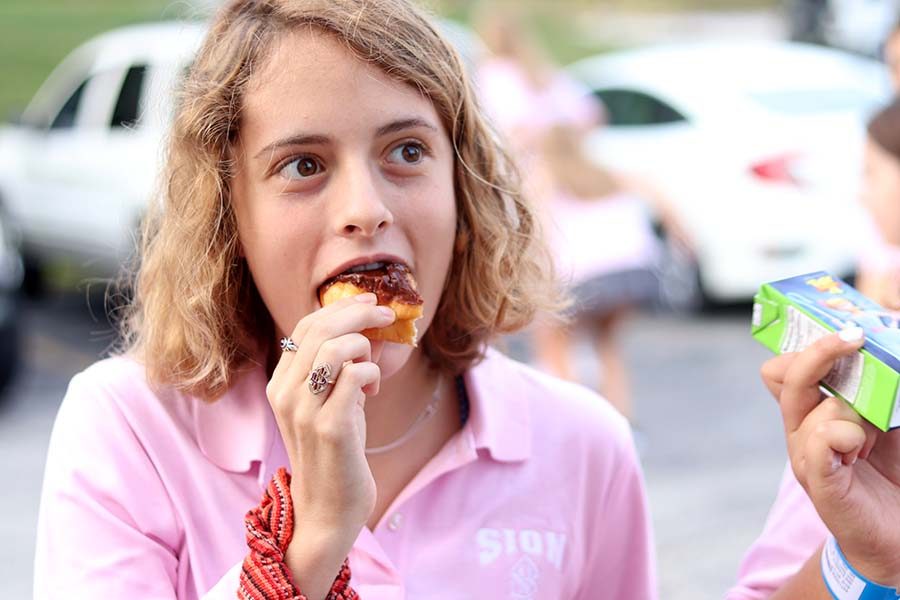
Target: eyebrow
309, 139
400, 125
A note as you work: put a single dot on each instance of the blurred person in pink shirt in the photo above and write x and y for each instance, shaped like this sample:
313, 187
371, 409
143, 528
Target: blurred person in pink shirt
606, 253
891, 54
879, 269
313, 139
522, 91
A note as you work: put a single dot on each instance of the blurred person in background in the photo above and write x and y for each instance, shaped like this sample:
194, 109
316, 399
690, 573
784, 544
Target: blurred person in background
832, 532
878, 273
521, 89
604, 240
315, 139
891, 55
606, 251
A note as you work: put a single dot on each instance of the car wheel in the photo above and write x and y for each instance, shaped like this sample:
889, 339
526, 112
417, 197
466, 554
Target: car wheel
35, 282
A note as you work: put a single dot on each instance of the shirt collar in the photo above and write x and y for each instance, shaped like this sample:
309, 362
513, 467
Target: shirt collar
237, 429
500, 416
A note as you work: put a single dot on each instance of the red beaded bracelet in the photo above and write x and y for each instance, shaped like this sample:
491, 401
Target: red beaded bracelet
264, 574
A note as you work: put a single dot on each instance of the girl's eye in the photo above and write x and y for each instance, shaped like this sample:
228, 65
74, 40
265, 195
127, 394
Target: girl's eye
409, 153
301, 168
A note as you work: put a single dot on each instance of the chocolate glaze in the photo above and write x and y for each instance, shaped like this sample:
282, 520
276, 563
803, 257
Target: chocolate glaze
388, 283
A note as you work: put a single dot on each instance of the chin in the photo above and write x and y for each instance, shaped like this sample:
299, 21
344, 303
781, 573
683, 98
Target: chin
393, 358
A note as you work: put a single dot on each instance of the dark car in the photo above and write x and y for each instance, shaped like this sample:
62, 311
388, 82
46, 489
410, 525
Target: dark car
11, 272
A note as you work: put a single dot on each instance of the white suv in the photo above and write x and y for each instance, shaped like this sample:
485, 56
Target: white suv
77, 169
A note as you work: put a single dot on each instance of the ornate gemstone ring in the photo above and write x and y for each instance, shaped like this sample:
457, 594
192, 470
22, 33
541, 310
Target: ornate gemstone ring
320, 378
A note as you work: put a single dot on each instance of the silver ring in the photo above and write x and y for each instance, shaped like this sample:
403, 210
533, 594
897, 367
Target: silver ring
320, 378
288, 345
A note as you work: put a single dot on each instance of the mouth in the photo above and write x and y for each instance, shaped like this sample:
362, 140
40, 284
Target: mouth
364, 264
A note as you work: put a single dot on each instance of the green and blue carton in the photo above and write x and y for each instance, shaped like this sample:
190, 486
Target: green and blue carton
791, 314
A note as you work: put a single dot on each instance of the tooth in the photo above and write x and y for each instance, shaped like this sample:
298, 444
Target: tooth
365, 267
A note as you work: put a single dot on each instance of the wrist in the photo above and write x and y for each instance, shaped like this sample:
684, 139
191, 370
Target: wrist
845, 581
314, 546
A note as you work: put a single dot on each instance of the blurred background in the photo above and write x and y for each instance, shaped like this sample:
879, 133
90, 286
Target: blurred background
682, 151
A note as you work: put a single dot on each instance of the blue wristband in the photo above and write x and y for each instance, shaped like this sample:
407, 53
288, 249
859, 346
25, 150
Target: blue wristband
844, 582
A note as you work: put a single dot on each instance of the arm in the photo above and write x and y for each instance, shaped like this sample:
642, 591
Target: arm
661, 206
792, 533
620, 557
106, 528
807, 583
848, 468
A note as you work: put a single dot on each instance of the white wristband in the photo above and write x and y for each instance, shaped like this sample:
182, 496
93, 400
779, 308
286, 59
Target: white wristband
844, 582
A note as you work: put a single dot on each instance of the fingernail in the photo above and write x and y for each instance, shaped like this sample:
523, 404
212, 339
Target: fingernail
836, 461
386, 311
367, 297
851, 334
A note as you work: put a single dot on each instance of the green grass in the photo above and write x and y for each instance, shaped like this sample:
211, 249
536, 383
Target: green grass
36, 34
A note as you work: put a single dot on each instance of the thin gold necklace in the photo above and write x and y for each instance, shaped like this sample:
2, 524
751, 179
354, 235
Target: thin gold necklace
430, 409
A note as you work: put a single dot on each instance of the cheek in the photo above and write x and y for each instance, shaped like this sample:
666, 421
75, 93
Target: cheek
279, 251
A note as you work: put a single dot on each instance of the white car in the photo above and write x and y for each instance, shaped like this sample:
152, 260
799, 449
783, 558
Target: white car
858, 25
77, 169
757, 145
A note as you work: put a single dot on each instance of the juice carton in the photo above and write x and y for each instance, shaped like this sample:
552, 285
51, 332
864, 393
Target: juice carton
791, 314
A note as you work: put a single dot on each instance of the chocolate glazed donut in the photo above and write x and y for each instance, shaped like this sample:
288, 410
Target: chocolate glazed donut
394, 286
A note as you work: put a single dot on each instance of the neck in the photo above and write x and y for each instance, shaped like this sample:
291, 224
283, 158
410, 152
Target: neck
400, 400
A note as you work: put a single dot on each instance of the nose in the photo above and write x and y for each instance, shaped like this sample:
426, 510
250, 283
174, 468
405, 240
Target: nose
362, 209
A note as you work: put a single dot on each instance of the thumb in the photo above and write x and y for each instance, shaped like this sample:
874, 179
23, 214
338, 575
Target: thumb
831, 450
800, 392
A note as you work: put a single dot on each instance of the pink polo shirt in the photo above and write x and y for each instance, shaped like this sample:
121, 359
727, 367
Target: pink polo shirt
539, 495
792, 533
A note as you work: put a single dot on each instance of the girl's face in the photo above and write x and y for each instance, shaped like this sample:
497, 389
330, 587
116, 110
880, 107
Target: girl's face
339, 165
881, 190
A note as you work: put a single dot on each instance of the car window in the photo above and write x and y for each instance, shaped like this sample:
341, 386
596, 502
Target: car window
127, 107
630, 107
65, 118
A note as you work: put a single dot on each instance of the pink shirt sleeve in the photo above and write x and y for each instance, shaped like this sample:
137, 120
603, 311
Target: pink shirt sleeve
620, 564
106, 527
792, 533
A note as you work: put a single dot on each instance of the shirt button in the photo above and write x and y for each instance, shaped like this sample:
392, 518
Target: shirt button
395, 521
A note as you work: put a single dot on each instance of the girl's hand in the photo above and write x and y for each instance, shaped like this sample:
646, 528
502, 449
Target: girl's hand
324, 433
849, 468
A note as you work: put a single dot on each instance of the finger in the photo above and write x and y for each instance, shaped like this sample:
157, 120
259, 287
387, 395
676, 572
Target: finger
887, 456
873, 436
830, 454
303, 325
352, 318
350, 389
829, 409
800, 390
336, 352
773, 370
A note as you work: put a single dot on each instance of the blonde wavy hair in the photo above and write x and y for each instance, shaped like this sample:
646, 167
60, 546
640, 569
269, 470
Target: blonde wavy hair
196, 318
